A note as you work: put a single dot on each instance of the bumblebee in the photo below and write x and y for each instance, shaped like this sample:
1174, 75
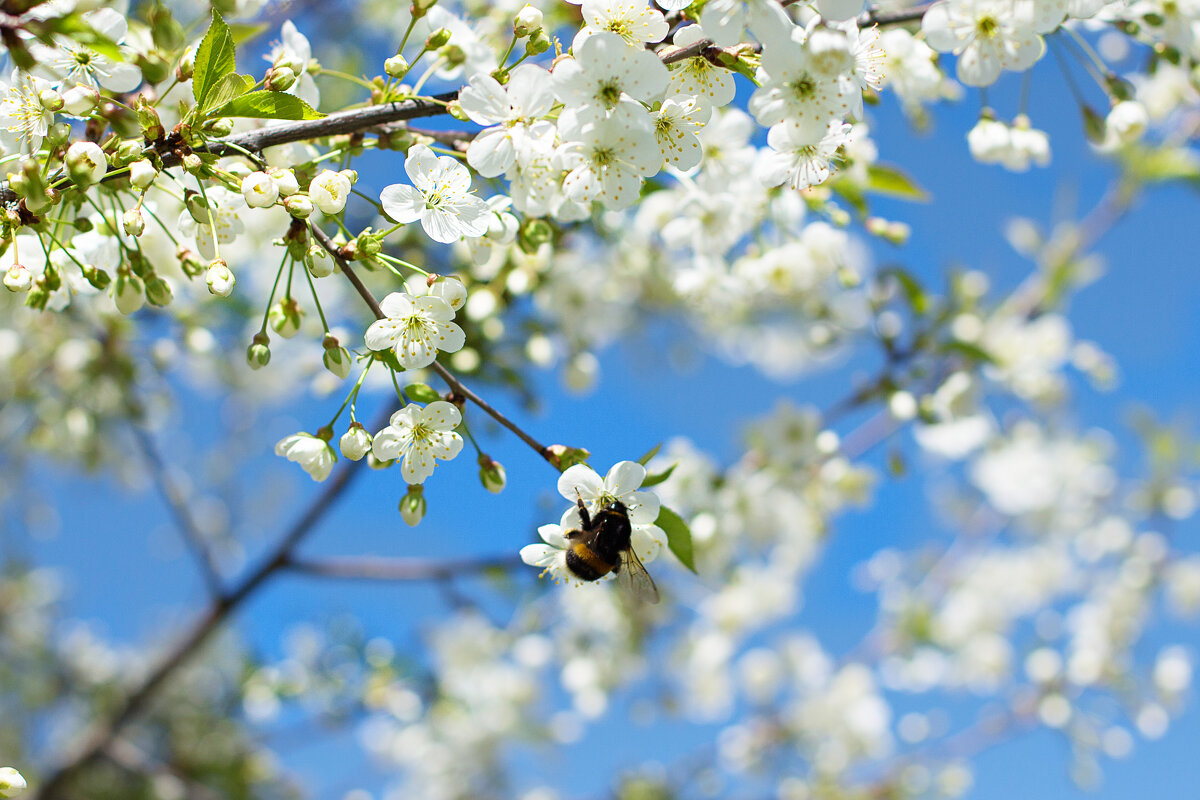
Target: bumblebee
602, 545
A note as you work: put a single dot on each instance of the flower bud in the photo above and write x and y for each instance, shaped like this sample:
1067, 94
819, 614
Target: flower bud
396, 66
197, 207
284, 180
258, 354
356, 442
259, 190
129, 293
50, 99
299, 206
437, 39
192, 163
1127, 121
80, 101
412, 505
187, 65
142, 173
453, 55
58, 134
533, 234
318, 262
528, 22
12, 783
280, 79
18, 278
337, 358
133, 222
329, 191
563, 457
86, 163
455, 109
158, 291
97, 277
285, 316
538, 43
220, 278
491, 475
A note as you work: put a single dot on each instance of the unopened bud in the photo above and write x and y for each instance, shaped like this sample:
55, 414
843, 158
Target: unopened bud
192, 163
299, 206
128, 291
280, 79
396, 66
491, 475
412, 505
563, 457
285, 317
12, 783
528, 22
158, 291
80, 100
337, 358
142, 173
356, 442
187, 65
258, 354
285, 180
318, 262
50, 99
18, 278
86, 163
220, 278
133, 222
437, 39
58, 134
538, 43
97, 277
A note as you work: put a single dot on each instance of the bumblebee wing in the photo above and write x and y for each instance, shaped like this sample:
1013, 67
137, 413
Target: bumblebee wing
634, 578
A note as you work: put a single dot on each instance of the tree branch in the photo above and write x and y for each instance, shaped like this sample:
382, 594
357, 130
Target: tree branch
103, 733
455, 384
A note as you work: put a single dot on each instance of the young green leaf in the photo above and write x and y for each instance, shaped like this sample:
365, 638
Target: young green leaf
225, 90
659, 477
891, 181
214, 58
265, 104
679, 536
651, 453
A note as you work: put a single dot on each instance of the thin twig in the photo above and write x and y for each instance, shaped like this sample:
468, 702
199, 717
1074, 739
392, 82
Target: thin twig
177, 504
455, 384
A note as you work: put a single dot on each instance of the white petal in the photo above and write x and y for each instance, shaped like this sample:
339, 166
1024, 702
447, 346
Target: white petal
624, 477
402, 202
581, 478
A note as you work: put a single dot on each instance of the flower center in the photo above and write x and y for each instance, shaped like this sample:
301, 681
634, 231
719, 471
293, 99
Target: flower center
603, 156
621, 27
804, 87
610, 93
986, 27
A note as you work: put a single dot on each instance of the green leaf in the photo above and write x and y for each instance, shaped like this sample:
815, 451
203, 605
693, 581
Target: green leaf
247, 31
265, 104
913, 291
214, 58
679, 536
891, 181
971, 351
659, 477
226, 90
651, 453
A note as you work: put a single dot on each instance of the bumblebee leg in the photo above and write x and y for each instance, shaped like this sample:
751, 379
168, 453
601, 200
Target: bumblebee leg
583, 512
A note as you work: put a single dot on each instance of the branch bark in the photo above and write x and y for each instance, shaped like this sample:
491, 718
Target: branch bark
377, 568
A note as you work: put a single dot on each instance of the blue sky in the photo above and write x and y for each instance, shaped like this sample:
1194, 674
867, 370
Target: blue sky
127, 573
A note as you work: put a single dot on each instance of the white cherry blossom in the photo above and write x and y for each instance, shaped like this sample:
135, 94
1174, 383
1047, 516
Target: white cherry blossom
416, 328
988, 36
70, 62
676, 124
799, 90
698, 76
312, 453
440, 197
606, 160
802, 161
621, 483
605, 72
514, 113
632, 20
420, 437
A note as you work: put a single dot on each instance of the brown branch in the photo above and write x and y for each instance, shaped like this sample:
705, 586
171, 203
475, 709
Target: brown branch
455, 384
375, 568
103, 733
